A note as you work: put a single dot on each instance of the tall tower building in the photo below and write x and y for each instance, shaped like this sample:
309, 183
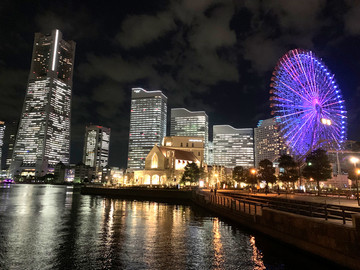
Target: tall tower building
96, 146
10, 136
43, 137
2, 133
147, 125
233, 146
268, 142
187, 123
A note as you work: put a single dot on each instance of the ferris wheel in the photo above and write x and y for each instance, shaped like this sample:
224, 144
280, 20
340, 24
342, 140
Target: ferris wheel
307, 103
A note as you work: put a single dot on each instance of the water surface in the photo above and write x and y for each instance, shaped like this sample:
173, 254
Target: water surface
55, 227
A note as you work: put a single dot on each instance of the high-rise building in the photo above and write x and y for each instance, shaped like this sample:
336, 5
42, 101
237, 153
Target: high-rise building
187, 123
43, 137
268, 142
233, 146
9, 141
2, 133
210, 153
147, 125
96, 146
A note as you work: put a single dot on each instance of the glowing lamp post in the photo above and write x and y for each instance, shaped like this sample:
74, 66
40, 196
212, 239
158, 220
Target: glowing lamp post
355, 160
253, 172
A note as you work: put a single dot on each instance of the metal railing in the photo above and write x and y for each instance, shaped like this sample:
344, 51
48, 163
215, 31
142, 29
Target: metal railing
237, 205
311, 209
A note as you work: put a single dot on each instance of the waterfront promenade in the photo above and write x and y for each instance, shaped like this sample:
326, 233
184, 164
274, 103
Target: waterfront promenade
323, 198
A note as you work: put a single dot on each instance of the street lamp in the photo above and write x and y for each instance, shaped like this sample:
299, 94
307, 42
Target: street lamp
253, 172
355, 160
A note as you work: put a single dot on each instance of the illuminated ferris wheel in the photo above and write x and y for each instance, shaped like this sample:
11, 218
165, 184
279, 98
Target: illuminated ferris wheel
307, 103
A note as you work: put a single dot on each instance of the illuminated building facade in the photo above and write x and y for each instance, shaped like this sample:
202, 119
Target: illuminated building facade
10, 136
147, 125
96, 146
210, 153
2, 133
187, 123
43, 137
233, 146
268, 142
164, 166
186, 143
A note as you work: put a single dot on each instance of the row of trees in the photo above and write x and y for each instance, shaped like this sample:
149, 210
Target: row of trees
317, 167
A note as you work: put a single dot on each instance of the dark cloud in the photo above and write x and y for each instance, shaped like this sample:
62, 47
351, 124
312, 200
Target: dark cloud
351, 19
138, 30
12, 92
211, 55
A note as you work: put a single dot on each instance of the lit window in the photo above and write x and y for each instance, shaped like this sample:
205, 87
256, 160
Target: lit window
154, 161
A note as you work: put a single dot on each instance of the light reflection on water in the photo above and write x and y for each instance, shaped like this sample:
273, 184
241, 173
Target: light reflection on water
54, 227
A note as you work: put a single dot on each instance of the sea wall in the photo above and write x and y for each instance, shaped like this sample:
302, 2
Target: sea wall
175, 195
336, 242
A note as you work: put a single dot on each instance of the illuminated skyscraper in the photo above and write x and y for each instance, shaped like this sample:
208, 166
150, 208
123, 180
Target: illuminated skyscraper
187, 123
2, 133
268, 143
43, 137
10, 135
233, 146
96, 146
147, 125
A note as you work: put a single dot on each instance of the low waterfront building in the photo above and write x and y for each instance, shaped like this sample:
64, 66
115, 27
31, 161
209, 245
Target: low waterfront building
164, 166
60, 172
83, 173
194, 144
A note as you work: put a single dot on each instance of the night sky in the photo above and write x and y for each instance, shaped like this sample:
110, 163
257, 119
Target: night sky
216, 56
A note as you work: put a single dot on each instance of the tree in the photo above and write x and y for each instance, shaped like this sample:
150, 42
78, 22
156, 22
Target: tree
352, 175
290, 171
240, 174
252, 176
267, 171
317, 167
226, 178
191, 174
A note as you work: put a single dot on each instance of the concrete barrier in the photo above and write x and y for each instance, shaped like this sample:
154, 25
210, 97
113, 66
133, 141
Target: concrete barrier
336, 242
140, 193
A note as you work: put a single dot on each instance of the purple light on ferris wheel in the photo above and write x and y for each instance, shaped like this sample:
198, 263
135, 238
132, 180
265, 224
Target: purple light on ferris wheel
307, 103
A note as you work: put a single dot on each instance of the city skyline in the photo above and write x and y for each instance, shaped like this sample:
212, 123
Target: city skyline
204, 56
